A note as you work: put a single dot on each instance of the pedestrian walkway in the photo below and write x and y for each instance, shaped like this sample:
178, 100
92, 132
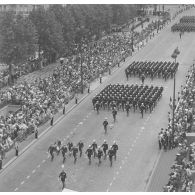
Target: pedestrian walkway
162, 169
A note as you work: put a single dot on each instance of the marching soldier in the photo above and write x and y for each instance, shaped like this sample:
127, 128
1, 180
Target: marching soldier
51, 151
114, 148
64, 150
142, 108
99, 155
63, 177
70, 145
97, 106
105, 148
94, 148
74, 153
105, 124
89, 153
114, 113
127, 108
80, 145
110, 154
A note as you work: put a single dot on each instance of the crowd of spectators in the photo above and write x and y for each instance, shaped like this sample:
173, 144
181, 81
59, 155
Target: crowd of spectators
181, 175
41, 99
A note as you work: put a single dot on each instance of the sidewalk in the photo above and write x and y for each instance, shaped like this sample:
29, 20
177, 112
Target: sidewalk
162, 169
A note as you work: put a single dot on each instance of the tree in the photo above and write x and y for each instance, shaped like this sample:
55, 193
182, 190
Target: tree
18, 38
50, 36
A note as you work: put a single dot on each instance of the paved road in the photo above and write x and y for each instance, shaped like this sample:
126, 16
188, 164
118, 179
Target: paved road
137, 138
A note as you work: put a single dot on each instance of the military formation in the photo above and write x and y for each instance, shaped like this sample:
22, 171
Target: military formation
186, 24
124, 97
151, 69
93, 150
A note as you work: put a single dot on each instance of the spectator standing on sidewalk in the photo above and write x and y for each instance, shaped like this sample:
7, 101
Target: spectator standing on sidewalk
52, 119
16, 149
36, 132
64, 108
1, 162
100, 78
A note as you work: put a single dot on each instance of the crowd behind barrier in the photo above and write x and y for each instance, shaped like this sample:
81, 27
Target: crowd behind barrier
181, 175
42, 98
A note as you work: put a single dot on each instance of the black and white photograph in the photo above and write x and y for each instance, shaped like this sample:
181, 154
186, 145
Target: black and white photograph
97, 96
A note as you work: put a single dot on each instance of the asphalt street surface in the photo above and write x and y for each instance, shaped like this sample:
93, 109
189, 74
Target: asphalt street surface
136, 137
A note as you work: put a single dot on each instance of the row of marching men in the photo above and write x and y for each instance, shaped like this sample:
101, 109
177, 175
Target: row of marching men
152, 69
187, 19
183, 27
120, 96
70, 149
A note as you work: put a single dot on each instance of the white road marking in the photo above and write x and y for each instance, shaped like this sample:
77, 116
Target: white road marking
110, 183
22, 182
27, 177
38, 166
142, 128
80, 123
43, 161
114, 178
107, 190
120, 167
71, 132
48, 156
33, 171
16, 189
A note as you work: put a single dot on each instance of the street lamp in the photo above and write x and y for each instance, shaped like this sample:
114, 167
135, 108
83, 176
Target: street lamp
176, 52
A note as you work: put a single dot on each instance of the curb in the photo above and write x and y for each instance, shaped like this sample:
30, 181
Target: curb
153, 171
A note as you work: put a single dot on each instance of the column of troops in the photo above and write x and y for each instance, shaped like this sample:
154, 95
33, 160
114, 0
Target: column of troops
152, 69
186, 24
120, 96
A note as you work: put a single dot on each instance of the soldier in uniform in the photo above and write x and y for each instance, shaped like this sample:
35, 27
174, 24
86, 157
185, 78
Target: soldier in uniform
64, 150
89, 153
63, 177
97, 106
70, 145
99, 155
94, 148
80, 145
51, 151
142, 108
127, 108
114, 113
105, 148
114, 148
110, 154
75, 150
105, 124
